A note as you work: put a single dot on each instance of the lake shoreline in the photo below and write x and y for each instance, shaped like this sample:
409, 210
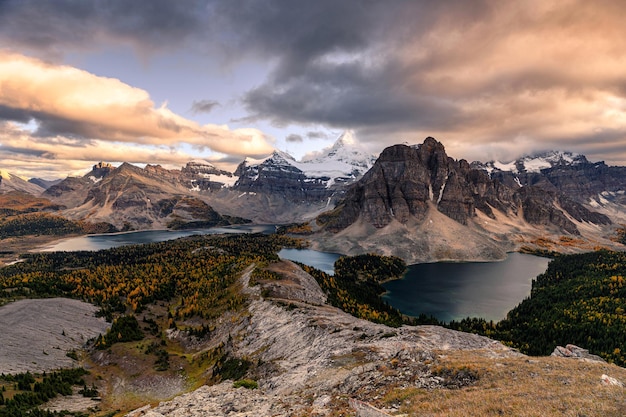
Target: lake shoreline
456, 290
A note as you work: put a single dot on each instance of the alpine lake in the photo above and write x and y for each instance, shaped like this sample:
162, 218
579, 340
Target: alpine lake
445, 290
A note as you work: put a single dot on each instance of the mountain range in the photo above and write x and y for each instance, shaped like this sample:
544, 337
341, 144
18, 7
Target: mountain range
415, 202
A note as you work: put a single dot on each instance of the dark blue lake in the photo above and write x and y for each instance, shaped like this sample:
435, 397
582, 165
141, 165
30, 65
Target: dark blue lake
453, 291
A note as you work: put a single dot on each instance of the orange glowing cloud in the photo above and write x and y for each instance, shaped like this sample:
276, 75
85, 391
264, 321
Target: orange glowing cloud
68, 101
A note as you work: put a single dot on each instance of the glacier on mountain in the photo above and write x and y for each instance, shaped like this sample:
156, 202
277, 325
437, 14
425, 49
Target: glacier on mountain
341, 163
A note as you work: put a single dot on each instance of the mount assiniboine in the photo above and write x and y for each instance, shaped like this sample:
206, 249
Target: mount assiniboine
421, 205
412, 201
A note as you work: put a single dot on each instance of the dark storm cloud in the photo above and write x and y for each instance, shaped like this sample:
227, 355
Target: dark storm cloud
335, 61
55, 26
348, 96
16, 115
203, 106
338, 62
294, 138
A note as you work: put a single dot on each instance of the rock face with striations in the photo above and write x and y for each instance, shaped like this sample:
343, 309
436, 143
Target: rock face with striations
279, 176
564, 172
408, 181
316, 178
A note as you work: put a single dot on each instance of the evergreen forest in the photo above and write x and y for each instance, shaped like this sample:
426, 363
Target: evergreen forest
580, 300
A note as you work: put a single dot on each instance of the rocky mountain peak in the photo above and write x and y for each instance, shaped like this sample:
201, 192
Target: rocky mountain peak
407, 182
279, 158
200, 168
11, 182
99, 171
127, 168
103, 165
347, 150
204, 176
315, 179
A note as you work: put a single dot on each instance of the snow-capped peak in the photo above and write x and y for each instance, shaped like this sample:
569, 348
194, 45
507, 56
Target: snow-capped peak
200, 162
347, 138
342, 162
346, 149
281, 157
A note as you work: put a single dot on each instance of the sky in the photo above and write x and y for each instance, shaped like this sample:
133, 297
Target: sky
165, 82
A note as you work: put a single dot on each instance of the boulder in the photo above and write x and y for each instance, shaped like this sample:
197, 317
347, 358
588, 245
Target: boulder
610, 381
573, 351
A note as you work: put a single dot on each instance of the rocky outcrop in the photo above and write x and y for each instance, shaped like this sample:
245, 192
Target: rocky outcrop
202, 176
610, 381
100, 170
138, 198
573, 351
310, 358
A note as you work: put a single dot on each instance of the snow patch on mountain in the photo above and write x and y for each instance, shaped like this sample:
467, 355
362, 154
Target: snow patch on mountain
200, 171
533, 163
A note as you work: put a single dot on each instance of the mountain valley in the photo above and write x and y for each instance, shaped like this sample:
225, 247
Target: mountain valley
412, 201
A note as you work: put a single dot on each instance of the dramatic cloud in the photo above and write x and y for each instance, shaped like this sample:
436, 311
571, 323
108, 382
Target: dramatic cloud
54, 157
490, 79
55, 27
497, 76
70, 102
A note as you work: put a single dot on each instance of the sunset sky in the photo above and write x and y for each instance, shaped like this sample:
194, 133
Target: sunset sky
165, 82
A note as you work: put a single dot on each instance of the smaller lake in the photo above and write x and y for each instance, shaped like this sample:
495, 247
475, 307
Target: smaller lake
324, 261
453, 291
113, 240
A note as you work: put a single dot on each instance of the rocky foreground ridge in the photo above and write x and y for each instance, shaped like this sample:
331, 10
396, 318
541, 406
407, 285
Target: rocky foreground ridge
311, 359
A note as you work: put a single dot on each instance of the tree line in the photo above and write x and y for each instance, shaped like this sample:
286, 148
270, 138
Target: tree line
580, 299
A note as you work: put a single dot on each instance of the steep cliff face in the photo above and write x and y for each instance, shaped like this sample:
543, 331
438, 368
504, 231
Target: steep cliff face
406, 181
278, 175
203, 176
421, 205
